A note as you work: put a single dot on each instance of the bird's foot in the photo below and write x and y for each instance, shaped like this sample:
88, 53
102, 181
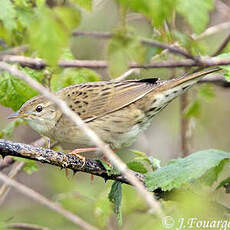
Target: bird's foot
76, 152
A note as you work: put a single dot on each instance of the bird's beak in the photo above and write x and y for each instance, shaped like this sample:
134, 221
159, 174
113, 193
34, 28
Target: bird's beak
17, 115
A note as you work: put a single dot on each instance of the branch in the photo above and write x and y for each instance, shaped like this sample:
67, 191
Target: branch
24, 226
6, 162
59, 159
34, 63
116, 161
217, 80
4, 190
148, 42
44, 201
212, 30
14, 50
222, 46
37, 63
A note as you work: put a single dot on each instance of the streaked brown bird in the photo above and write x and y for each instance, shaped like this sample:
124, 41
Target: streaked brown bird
116, 110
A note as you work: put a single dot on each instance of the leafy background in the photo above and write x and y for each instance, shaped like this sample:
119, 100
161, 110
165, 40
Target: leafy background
45, 26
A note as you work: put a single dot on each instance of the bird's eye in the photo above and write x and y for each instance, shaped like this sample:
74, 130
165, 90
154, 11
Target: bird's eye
39, 108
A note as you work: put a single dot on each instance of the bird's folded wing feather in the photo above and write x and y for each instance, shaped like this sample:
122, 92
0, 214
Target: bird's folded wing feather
96, 99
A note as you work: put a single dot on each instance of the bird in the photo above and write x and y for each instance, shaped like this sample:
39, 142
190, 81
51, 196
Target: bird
118, 111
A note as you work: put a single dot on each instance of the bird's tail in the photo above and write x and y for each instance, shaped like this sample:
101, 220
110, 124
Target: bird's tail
186, 81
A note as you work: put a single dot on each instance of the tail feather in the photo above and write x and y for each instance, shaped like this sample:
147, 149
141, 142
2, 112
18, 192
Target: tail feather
194, 77
187, 80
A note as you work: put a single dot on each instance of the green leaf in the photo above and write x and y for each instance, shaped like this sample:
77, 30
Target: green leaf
139, 153
193, 109
225, 67
115, 196
212, 174
154, 162
7, 132
137, 166
70, 16
35, 74
67, 54
121, 50
117, 57
86, 4
186, 170
13, 91
196, 12
72, 76
158, 10
47, 35
102, 209
7, 14
143, 157
206, 92
24, 14
30, 165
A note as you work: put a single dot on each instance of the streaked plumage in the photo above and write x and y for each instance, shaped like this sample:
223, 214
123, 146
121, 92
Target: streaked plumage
116, 111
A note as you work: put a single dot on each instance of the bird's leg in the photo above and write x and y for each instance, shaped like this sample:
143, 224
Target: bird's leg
48, 142
105, 159
83, 150
76, 152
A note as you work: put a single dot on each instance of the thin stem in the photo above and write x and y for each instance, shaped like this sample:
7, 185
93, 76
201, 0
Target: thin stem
37, 63
44, 201
222, 46
24, 226
148, 42
184, 124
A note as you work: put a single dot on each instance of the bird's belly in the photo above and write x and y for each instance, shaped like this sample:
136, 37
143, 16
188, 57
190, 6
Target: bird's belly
117, 129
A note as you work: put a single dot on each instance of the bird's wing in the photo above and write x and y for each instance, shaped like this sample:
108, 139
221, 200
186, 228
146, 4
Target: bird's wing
96, 99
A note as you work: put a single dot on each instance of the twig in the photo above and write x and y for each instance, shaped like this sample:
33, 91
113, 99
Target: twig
24, 226
127, 74
184, 124
4, 190
14, 50
119, 164
44, 201
148, 42
222, 46
37, 63
59, 159
204, 62
6, 162
217, 80
212, 30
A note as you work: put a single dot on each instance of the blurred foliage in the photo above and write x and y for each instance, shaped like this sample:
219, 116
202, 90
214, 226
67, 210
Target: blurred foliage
29, 165
122, 49
197, 13
71, 76
194, 108
226, 67
46, 27
8, 131
14, 92
158, 11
